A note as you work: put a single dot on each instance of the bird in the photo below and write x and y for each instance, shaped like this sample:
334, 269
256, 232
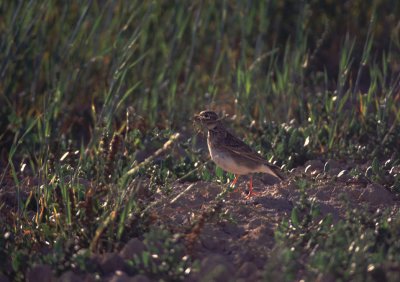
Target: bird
232, 154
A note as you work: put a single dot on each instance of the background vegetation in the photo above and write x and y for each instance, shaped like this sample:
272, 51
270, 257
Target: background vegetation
88, 89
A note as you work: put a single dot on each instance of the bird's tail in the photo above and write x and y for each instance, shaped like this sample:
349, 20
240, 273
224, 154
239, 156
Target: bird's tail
274, 171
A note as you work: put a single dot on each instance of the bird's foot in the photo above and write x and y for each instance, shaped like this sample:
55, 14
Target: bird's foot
233, 184
236, 189
251, 194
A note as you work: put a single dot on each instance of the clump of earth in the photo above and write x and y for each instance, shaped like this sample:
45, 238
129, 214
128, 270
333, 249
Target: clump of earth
230, 236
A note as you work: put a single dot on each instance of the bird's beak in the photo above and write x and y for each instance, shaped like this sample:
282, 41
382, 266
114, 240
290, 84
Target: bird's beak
197, 118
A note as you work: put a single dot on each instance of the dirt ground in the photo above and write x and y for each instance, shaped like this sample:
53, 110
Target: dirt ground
237, 242
231, 236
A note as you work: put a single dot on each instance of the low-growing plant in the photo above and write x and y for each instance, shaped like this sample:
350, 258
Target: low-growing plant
359, 247
164, 257
90, 89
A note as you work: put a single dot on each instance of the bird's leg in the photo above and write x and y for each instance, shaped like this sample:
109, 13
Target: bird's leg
234, 183
251, 192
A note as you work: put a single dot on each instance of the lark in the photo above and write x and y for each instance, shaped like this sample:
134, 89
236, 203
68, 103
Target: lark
232, 154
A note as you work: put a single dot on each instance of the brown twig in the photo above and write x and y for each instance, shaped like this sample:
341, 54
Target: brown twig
160, 151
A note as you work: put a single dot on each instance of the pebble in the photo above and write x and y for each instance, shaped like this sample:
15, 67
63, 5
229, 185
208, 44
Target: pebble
40, 273
111, 262
216, 268
70, 276
132, 248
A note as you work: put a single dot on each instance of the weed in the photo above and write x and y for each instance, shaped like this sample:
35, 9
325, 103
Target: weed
357, 247
164, 257
89, 90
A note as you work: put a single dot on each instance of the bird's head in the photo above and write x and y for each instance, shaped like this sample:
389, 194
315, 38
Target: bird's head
207, 118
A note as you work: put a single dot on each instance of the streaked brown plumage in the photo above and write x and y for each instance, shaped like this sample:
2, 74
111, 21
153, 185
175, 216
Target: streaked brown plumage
232, 154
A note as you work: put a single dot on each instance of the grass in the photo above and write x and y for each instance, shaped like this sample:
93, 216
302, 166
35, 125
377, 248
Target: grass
359, 247
89, 87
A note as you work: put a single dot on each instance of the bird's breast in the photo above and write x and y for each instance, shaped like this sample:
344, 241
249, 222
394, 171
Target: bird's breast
224, 160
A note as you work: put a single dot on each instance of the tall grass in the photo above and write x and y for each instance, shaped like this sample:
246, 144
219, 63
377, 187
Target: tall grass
112, 54
85, 85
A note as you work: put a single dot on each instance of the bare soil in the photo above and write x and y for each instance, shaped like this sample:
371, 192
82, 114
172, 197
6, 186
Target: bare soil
233, 237
237, 240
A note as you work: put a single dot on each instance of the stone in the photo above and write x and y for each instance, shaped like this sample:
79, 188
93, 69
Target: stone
211, 238
233, 229
247, 269
119, 276
376, 194
132, 248
40, 273
140, 278
313, 165
70, 276
343, 175
332, 164
111, 262
216, 268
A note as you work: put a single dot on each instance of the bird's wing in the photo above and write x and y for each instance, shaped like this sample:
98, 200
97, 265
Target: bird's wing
237, 146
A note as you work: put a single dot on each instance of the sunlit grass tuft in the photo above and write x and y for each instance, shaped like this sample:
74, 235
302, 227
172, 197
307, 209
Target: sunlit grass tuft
90, 89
